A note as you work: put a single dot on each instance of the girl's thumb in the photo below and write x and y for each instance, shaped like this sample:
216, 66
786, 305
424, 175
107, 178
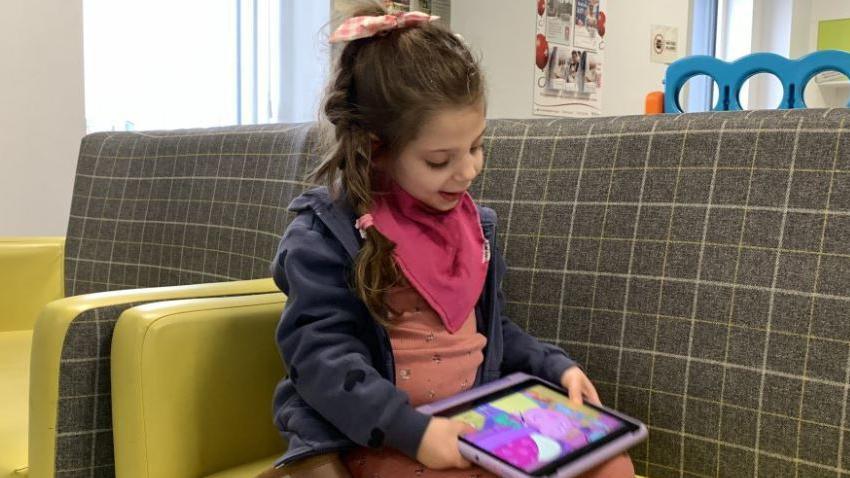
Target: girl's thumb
462, 428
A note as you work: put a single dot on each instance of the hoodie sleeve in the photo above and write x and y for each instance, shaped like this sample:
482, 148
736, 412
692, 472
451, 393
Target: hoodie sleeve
318, 337
522, 352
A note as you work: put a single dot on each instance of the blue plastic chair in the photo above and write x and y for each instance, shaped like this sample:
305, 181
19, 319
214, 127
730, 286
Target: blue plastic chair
731, 76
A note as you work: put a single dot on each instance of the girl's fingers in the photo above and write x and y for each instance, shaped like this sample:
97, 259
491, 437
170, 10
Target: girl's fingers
575, 390
592, 395
463, 428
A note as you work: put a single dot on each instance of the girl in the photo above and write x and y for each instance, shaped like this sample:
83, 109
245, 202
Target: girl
394, 298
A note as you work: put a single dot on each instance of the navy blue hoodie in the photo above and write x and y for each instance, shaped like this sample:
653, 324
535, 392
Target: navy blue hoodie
340, 390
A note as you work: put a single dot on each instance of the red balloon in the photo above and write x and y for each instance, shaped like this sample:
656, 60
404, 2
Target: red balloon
541, 7
600, 23
542, 53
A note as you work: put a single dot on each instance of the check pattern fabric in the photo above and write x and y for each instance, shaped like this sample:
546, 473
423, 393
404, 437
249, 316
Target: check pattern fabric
84, 427
696, 265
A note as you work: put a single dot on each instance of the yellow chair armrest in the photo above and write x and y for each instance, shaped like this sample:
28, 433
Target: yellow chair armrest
192, 385
49, 336
31, 275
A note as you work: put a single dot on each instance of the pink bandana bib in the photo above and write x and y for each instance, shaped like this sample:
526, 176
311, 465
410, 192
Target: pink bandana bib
443, 254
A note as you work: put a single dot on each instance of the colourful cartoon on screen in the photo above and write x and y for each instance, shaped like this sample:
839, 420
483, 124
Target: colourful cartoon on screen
535, 426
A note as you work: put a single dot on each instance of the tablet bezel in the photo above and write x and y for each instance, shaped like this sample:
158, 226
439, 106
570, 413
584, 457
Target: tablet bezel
628, 427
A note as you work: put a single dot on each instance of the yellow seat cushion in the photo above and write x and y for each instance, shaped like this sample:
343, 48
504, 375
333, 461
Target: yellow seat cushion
14, 393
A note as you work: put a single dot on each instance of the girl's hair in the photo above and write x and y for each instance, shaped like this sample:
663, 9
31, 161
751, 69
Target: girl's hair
382, 89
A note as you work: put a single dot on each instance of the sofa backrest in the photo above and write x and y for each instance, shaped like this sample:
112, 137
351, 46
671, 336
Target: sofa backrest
696, 265
181, 207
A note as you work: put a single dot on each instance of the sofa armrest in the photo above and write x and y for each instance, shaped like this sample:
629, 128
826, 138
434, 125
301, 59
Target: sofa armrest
31, 275
92, 315
192, 385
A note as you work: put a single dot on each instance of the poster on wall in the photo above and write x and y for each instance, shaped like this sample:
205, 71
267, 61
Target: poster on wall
569, 58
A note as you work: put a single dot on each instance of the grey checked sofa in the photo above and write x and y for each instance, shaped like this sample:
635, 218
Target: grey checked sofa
696, 265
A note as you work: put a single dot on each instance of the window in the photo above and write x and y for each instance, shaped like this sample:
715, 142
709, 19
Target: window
720, 28
161, 64
734, 29
699, 95
257, 61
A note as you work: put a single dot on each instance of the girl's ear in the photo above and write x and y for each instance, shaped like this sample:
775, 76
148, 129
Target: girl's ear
376, 143
377, 151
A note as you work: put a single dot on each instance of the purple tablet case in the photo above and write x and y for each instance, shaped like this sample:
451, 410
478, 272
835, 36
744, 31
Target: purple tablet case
503, 469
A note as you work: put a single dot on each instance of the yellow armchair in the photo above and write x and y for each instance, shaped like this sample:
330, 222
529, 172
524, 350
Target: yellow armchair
85, 400
31, 275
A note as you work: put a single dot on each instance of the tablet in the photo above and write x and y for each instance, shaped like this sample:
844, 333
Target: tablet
527, 427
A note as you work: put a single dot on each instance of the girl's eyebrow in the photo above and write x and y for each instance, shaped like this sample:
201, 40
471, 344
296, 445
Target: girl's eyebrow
447, 150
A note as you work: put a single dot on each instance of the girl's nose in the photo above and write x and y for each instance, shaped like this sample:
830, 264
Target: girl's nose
468, 170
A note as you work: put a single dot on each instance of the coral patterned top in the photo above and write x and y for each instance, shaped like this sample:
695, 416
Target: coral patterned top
430, 364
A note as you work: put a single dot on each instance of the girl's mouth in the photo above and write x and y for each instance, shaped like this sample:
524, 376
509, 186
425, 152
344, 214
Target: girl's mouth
451, 196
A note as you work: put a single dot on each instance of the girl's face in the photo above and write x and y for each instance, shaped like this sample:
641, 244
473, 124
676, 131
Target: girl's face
439, 165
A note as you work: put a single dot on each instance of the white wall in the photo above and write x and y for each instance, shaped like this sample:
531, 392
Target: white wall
41, 113
820, 10
503, 31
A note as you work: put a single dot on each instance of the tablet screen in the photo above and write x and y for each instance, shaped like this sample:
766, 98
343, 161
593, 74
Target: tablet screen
536, 428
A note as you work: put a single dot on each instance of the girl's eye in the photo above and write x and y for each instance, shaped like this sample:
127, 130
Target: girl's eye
437, 165
477, 148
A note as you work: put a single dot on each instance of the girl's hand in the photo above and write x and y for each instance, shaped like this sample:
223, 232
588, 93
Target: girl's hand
579, 386
439, 447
